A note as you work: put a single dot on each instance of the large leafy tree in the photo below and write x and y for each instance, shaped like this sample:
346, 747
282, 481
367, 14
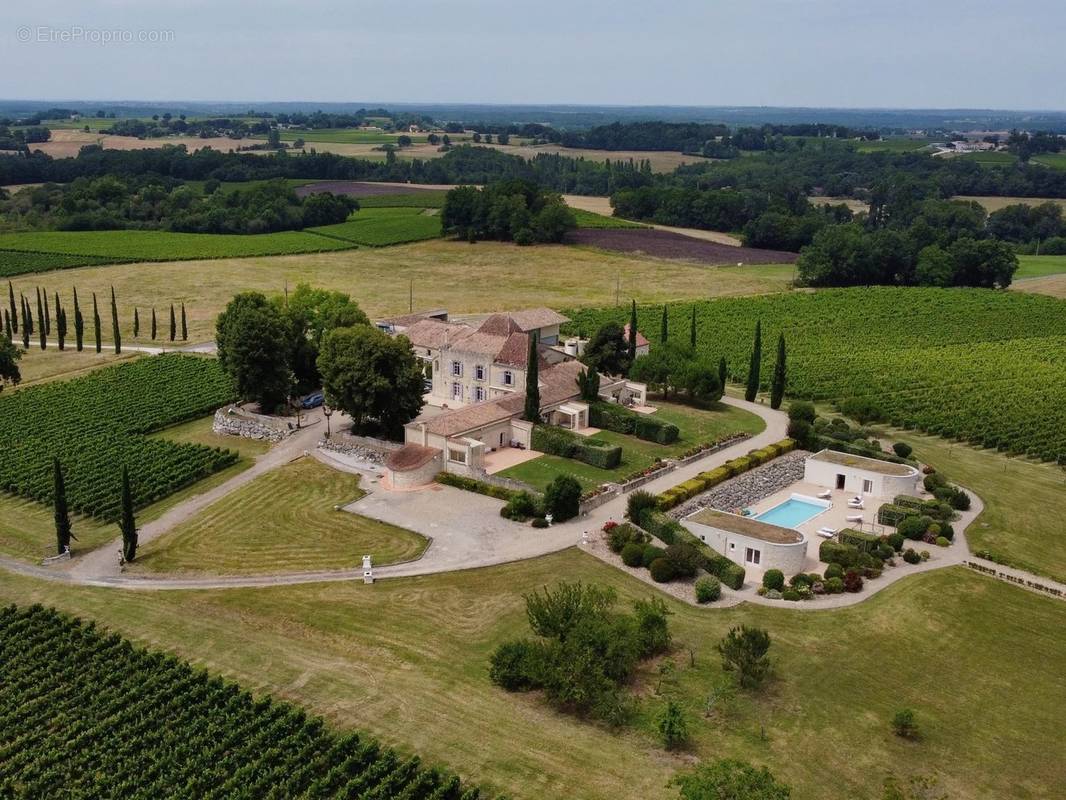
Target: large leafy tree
371, 376
608, 350
253, 347
310, 314
9, 367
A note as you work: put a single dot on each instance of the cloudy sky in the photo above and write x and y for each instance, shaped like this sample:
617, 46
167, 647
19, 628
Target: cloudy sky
890, 53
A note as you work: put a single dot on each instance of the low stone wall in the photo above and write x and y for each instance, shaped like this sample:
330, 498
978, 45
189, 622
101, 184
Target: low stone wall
373, 451
484, 477
598, 500
248, 426
748, 487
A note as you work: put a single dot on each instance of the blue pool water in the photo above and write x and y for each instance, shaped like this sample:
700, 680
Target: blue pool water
790, 513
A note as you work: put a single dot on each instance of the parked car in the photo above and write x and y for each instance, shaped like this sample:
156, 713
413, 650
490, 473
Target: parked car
313, 400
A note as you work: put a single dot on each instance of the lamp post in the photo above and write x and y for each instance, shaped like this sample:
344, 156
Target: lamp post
327, 412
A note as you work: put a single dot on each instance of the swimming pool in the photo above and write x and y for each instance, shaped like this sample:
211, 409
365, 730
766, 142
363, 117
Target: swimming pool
794, 511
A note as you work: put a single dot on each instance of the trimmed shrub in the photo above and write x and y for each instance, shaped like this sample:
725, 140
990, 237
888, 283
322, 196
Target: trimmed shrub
914, 528
890, 514
655, 430
633, 555
600, 456
801, 579
773, 579
910, 556
621, 535
934, 481
947, 531
651, 553
661, 526
885, 551
684, 558
540, 522
834, 571
843, 554
772, 594
637, 502
942, 542
866, 542
802, 410
612, 417
834, 585
852, 581
902, 449
896, 540
520, 507
728, 572
791, 595
471, 485
662, 570
907, 501
708, 589
567, 444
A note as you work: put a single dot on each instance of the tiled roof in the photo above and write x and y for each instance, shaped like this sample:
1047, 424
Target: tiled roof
477, 342
641, 341
515, 352
533, 318
500, 325
433, 333
406, 320
410, 456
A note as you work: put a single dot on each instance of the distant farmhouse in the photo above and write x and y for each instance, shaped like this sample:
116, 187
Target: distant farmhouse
476, 386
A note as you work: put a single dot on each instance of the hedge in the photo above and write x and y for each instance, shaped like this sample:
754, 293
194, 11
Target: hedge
471, 485
907, 501
613, 417
670, 531
866, 542
834, 553
564, 443
676, 495
891, 514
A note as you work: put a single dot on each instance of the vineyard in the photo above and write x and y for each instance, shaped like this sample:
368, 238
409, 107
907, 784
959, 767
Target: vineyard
84, 714
983, 367
96, 424
378, 227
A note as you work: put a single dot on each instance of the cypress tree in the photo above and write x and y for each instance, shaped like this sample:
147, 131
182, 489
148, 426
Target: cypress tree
664, 331
756, 362
115, 332
61, 326
47, 315
11, 307
692, 330
59, 503
777, 385
632, 332
128, 525
7, 326
153, 323
79, 322
28, 316
531, 413
25, 323
96, 322
722, 372
136, 323
184, 325
55, 299
173, 324
41, 329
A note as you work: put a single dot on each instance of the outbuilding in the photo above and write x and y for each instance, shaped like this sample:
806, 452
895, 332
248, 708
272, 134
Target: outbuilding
859, 474
748, 542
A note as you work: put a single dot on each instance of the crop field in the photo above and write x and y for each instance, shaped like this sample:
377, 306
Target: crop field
410, 200
380, 227
19, 263
283, 521
991, 157
1053, 160
892, 146
668, 244
589, 219
96, 424
348, 136
81, 708
984, 367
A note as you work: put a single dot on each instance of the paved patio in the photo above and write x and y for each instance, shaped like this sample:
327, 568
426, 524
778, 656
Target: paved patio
499, 460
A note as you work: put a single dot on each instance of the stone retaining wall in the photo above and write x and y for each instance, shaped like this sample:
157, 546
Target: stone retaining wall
748, 487
373, 451
248, 426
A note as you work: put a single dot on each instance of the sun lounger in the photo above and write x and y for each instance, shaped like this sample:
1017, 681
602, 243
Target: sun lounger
855, 504
825, 495
827, 533
854, 518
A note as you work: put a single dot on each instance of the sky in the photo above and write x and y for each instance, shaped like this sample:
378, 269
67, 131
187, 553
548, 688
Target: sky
837, 53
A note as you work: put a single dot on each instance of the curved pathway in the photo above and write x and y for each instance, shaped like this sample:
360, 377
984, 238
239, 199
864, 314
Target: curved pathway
477, 536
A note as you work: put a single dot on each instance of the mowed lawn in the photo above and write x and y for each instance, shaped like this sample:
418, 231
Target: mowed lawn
1022, 522
978, 660
696, 426
483, 277
1039, 266
283, 521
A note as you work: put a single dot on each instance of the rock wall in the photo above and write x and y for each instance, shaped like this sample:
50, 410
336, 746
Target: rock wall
357, 447
227, 424
748, 487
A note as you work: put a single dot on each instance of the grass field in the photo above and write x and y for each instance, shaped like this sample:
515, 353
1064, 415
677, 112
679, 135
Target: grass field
349, 136
284, 521
1053, 160
892, 146
1039, 266
494, 276
406, 660
1018, 493
696, 426
992, 157
992, 203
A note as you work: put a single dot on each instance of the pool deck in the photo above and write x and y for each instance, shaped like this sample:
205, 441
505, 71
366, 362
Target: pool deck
832, 517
